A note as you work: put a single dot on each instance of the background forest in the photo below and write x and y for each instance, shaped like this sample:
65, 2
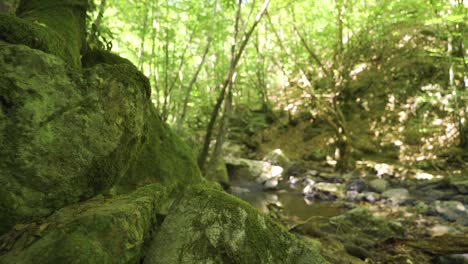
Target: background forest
360, 78
341, 124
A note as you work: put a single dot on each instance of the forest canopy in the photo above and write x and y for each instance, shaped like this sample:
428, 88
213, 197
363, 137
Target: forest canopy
394, 71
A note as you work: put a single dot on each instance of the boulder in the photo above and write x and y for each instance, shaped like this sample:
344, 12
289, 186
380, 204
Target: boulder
397, 195
218, 173
461, 186
101, 230
335, 189
209, 226
277, 158
378, 185
357, 185
66, 138
452, 211
255, 170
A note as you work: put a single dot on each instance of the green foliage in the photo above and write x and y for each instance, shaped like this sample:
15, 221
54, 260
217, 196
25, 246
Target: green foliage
326, 56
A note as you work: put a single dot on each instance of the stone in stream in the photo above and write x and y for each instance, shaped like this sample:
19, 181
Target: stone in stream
357, 185
460, 186
324, 191
254, 170
452, 211
277, 158
378, 185
397, 195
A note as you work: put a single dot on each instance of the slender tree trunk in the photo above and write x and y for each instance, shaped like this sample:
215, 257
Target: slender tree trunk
234, 61
167, 102
141, 50
97, 22
154, 71
190, 86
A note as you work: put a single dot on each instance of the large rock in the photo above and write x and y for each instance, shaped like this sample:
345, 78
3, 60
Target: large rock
378, 185
209, 226
461, 186
218, 172
452, 211
255, 170
164, 158
102, 230
396, 195
67, 137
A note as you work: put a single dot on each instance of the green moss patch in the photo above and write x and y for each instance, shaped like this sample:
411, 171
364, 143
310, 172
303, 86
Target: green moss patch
210, 226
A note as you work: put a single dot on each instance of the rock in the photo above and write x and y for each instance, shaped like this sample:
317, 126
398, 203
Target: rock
164, 158
296, 169
105, 230
397, 195
218, 173
452, 211
420, 207
371, 197
440, 230
232, 149
271, 184
378, 185
66, 138
336, 189
452, 259
324, 191
209, 226
357, 185
461, 186
259, 171
278, 158
331, 177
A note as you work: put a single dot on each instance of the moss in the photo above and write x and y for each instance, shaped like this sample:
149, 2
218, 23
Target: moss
18, 31
102, 230
360, 228
220, 228
65, 138
66, 18
218, 173
54, 27
96, 56
164, 158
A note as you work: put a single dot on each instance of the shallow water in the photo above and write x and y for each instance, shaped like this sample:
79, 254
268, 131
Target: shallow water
292, 202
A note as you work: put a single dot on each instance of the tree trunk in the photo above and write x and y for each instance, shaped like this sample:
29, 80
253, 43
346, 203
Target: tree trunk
190, 86
234, 61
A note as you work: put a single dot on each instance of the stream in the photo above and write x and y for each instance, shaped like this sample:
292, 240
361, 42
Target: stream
293, 204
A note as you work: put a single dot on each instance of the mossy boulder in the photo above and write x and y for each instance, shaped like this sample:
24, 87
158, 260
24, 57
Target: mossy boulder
210, 226
66, 138
55, 27
164, 158
218, 172
102, 230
